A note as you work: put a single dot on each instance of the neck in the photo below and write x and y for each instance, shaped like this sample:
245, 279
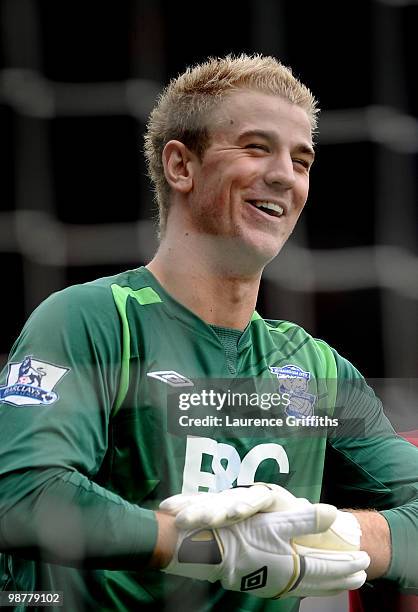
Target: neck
193, 272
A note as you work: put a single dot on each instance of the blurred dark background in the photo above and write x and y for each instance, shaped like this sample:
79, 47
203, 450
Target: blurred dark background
77, 81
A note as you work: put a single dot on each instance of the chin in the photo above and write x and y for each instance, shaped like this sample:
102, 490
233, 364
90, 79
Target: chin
251, 258
265, 249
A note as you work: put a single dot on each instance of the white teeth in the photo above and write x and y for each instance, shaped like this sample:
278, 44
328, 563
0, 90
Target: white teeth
276, 207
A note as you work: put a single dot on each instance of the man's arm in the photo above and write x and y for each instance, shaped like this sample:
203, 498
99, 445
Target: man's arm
369, 466
60, 516
51, 452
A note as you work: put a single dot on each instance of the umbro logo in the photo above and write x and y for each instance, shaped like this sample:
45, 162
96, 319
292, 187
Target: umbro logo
255, 580
172, 378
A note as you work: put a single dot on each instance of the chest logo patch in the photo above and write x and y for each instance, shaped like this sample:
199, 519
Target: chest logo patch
295, 382
172, 378
31, 382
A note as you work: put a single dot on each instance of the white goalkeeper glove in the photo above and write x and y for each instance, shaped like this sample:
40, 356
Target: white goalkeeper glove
220, 509
234, 505
257, 556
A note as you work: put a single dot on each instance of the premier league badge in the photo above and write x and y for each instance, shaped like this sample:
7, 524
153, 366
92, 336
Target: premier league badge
31, 382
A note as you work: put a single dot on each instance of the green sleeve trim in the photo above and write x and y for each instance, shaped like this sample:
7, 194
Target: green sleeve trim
120, 296
331, 372
143, 296
330, 363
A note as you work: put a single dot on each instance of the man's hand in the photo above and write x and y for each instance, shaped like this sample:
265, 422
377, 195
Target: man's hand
234, 505
224, 508
257, 555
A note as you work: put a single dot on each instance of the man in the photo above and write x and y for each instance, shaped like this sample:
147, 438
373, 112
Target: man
88, 454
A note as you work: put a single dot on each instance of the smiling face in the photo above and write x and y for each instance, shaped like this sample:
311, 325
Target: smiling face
253, 180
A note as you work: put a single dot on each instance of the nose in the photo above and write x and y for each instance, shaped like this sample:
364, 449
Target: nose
280, 171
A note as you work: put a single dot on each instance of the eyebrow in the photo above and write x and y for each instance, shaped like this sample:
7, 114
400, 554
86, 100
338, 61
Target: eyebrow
272, 137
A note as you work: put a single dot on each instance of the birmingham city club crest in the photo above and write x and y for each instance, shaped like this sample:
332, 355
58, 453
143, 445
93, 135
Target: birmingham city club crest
295, 382
31, 382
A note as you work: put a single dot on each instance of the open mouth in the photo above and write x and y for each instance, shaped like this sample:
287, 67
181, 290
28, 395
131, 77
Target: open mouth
269, 208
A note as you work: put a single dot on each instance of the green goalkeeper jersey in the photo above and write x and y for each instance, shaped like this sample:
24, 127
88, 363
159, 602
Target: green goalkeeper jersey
107, 406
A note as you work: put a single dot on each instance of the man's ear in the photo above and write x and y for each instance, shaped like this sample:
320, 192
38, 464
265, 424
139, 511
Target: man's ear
178, 166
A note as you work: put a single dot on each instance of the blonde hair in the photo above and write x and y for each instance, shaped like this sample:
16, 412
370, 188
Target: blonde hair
183, 108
